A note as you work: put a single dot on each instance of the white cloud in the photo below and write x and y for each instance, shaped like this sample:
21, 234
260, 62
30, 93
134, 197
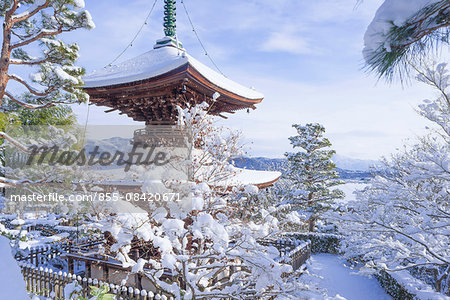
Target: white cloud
286, 41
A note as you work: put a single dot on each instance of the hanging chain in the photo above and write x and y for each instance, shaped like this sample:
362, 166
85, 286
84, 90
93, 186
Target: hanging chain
170, 20
135, 36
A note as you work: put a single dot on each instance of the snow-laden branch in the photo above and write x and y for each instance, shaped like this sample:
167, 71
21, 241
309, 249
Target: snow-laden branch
43, 33
29, 105
401, 220
30, 88
37, 6
31, 62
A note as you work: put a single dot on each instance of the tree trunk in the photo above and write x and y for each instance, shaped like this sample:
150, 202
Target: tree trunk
6, 51
312, 224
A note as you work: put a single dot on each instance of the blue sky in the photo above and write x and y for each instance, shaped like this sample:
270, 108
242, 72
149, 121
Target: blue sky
305, 56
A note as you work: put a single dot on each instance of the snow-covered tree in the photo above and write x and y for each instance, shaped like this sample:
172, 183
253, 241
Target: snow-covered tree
402, 220
32, 27
205, 242
31, 46
404, 32
312, 172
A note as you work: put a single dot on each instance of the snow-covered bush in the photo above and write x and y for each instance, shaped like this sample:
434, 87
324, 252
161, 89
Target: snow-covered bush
320, 242
402, 219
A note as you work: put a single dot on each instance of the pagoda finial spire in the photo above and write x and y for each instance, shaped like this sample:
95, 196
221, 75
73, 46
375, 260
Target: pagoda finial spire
170, 17
170, 26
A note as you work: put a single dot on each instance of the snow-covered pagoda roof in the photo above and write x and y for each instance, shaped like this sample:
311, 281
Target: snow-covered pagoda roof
149, 87
160, 61
241, 177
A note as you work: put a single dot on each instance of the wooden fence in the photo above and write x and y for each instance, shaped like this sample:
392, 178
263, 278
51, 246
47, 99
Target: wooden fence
45, 282
292, 251
41, 254
51, 284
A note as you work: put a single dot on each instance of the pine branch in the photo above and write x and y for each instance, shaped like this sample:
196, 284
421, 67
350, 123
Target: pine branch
30, 88
40, 35
25, 16
411, 41
32, 62
28, 105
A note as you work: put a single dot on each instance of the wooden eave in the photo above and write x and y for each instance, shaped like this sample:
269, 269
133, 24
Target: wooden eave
169, 85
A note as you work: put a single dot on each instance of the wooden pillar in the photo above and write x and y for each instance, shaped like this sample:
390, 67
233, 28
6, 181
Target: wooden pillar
70, 265
87, 267
138, 280
105, 273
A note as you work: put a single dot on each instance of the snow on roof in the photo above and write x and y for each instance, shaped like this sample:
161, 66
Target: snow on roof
240, 177
250, 177
157, 62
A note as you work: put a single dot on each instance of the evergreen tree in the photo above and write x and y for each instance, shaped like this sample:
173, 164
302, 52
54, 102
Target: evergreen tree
403, 32
312, 172
30, 39
30, 45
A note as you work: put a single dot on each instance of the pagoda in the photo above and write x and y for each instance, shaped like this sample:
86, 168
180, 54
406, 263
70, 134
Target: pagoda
148, 88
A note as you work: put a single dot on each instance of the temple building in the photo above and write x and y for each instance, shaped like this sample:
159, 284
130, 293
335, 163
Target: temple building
148, 89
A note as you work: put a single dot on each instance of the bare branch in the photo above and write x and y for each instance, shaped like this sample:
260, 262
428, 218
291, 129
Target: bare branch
15, 182
11, 11
14, 142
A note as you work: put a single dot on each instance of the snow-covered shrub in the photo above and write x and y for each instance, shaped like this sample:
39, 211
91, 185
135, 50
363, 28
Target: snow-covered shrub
320, 242
392, 287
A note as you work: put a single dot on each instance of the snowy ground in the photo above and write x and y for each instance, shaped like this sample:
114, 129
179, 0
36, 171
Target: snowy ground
328, 271
12, 284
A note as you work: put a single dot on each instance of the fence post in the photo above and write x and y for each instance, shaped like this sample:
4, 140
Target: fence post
48, 281
130, 293
123, 291
85, 287
41, 285
144, 295
150, 295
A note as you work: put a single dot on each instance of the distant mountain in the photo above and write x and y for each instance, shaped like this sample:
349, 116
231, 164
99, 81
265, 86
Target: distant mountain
354, 164
260, 163
342, 162
112, 144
